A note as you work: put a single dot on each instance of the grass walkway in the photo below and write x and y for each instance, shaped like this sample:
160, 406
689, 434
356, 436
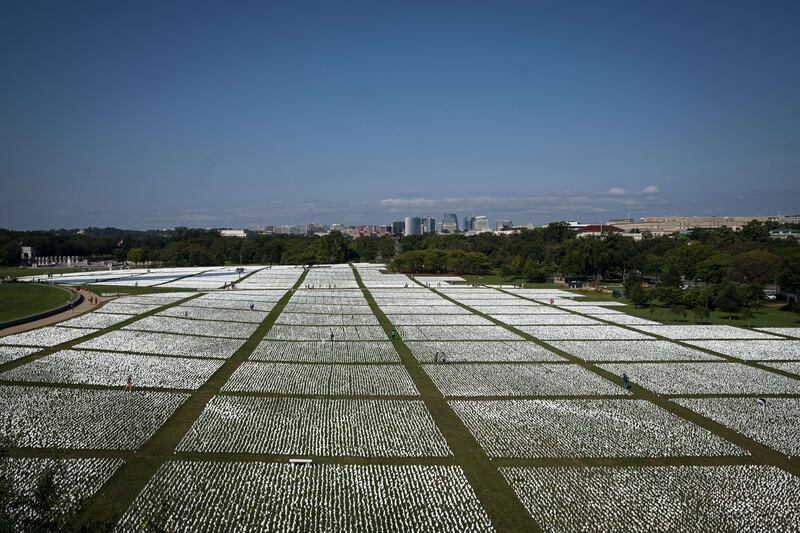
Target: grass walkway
108, 504
496, 496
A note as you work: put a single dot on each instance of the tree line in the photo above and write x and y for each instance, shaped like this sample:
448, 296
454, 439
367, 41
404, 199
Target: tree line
700, 257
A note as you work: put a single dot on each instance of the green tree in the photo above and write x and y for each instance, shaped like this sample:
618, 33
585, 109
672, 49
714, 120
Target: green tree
755, 231
137, 255
728, 299
713, 269
754, 266
535, 272
332, 248
789, 276
364, 248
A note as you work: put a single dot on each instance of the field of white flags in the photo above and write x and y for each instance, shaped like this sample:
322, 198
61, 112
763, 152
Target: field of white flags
185, 326
754, 349
157, 343
299, 426
635, 350
776, 424
659, 498
793, 333
515, 379
11, 353
74, 479
350, 398
705, 378
47, 336
325, 351
704, 332
481, 351
39, 417
216, 496
585, 428
112, 369
322, 379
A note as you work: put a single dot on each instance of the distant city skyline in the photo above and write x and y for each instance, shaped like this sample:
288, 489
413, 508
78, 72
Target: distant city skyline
137, 115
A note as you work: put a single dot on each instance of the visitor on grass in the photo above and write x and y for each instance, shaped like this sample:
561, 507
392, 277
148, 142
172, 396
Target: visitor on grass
625, 382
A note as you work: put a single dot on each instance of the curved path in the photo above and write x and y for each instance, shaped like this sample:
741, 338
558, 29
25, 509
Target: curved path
83, 307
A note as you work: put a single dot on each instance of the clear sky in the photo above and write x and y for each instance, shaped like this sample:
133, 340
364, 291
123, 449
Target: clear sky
157, 114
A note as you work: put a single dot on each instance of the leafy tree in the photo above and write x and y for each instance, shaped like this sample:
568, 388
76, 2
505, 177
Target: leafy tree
728, 299
137, 255
755, 231
333, 248
365, 249
789, 276
713, 269
635, 292
670, 273
534, 272
754, 266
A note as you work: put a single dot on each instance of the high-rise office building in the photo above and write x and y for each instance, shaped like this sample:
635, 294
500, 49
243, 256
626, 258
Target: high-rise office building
500, 225
469, 223
449, 223
398, 227
481, 223
413, 226
429, 225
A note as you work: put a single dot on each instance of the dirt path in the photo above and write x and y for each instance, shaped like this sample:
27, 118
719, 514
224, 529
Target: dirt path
84, 307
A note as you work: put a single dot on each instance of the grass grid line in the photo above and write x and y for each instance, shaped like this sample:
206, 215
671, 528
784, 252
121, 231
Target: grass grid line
494, 493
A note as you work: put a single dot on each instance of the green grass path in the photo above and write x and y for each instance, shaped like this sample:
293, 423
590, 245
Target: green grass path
496, 496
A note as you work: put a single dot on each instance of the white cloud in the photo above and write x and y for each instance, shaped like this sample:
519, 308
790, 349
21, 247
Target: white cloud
616, 191
407, 202
650, 189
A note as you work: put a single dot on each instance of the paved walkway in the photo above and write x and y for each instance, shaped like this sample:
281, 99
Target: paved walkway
84, 307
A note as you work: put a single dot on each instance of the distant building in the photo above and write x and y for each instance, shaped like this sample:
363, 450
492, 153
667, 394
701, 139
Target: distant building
413, 226
240, 233
398, 227
501, 225
27, 255
785, 233
469, 223
482, 223
429, 225
597, 230
668, 225
449, 223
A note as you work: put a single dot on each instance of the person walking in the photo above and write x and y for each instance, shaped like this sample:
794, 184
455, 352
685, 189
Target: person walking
129, 384
626, 384
252, 306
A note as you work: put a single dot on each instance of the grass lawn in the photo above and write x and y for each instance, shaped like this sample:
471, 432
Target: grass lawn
23, 299
769, 315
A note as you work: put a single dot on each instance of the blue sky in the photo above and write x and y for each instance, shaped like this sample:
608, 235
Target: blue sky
157, 114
